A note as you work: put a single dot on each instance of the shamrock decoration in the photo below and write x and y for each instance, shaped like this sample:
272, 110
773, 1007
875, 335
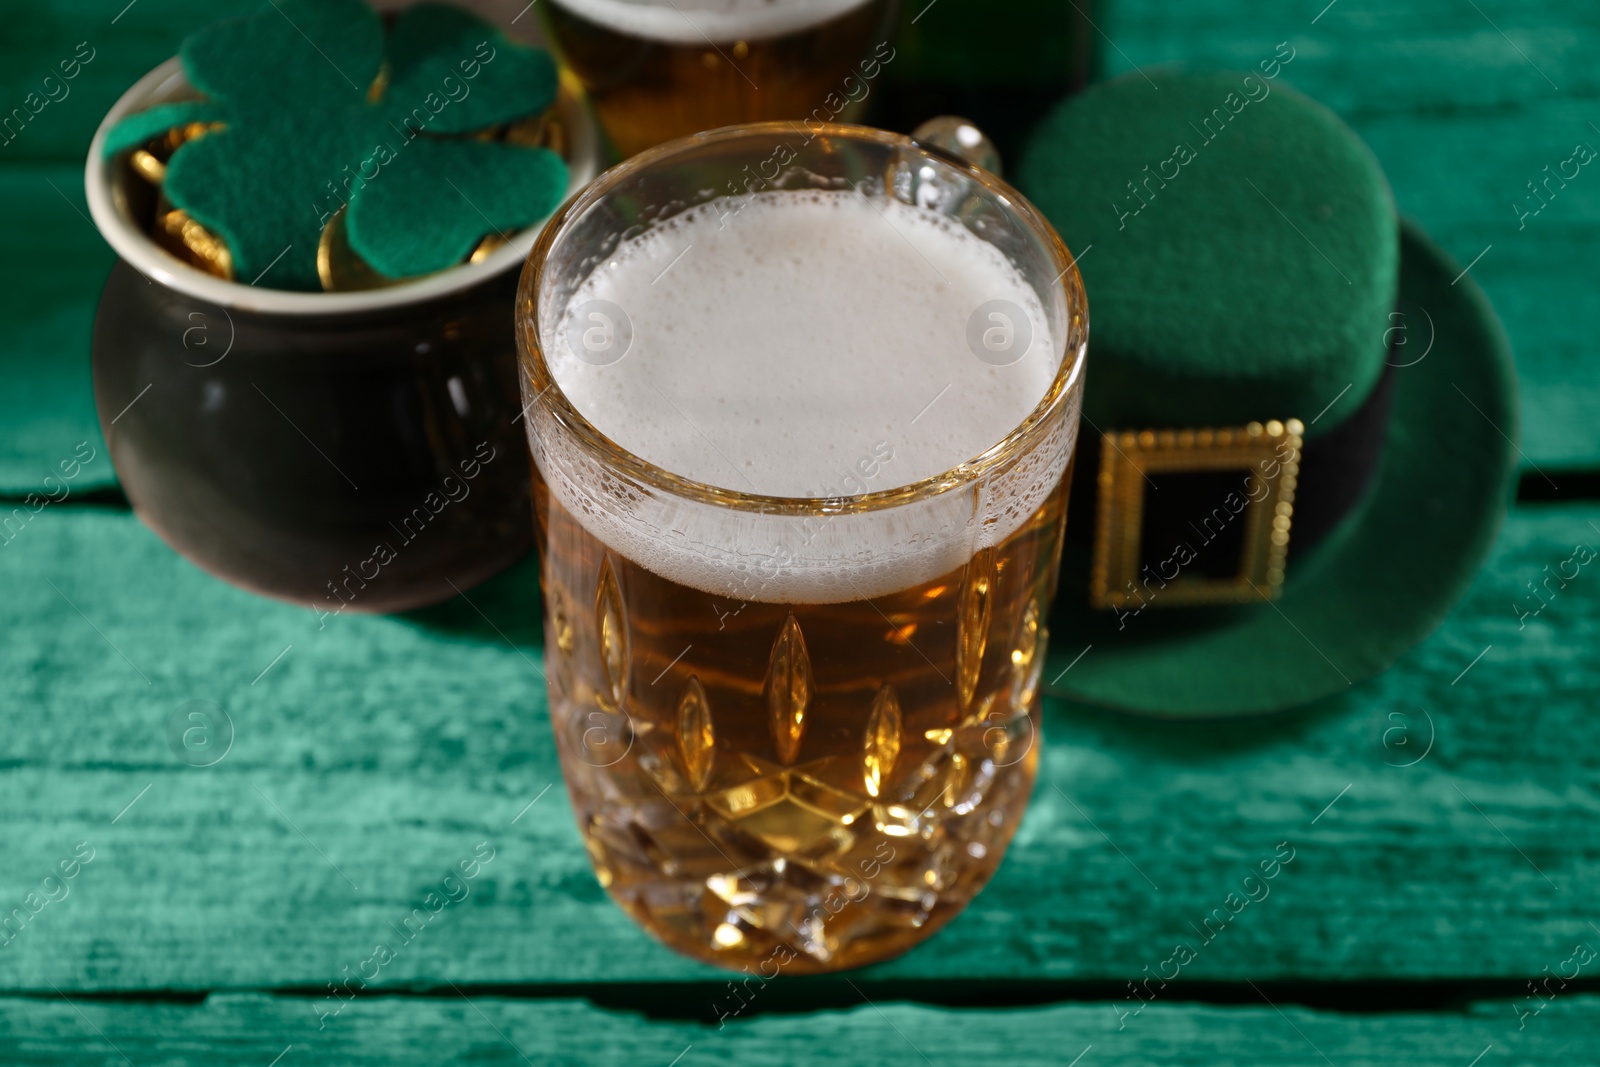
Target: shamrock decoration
318, 112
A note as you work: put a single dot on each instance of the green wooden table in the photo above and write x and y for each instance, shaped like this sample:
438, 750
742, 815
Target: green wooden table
1444, 819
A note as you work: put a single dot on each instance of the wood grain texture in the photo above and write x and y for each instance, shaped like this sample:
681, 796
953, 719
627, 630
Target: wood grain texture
372, 755
375, 754
1464, 104
255, 1031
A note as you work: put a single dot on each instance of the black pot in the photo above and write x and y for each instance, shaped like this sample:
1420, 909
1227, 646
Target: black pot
368, 459
351, 450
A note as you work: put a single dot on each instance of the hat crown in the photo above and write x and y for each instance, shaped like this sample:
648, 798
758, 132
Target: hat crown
1238, 242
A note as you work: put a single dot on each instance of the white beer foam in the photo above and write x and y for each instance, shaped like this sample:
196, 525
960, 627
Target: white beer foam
804, 344
720, 21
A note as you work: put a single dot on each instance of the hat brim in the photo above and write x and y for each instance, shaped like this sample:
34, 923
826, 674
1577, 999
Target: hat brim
1378, 585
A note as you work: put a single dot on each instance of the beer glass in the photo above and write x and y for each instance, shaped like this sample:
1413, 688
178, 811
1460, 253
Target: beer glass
660, 69
798, 731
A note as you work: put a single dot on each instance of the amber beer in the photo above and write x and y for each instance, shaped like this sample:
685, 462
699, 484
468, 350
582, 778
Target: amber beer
799, 540
659, 69
814, 786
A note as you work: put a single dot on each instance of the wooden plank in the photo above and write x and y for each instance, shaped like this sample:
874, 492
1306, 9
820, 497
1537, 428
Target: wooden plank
53, 262
122, 42
54, 265
1462, 117
258, 1031
104, 47
1458, 117
371, 755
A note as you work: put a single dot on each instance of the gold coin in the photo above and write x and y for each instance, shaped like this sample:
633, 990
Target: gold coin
544, 130
147, 166
342, 270
150, 161
339, 267
486, 247
180, 234
380, 83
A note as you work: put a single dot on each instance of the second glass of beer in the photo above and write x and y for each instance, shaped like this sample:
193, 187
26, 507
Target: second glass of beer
802, 446
660, 69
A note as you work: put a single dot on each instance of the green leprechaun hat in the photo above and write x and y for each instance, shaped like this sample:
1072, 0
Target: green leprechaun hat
1298, 421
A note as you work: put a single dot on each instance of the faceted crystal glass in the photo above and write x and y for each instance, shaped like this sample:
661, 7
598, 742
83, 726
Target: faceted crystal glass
780, 759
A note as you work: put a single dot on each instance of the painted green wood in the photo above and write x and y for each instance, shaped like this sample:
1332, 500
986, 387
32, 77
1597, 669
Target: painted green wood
255, 1031
372, 755
122, 41
1464, 105
106, 45
54, 265
1461, 116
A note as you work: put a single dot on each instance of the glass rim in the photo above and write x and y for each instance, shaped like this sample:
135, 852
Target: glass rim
535, 369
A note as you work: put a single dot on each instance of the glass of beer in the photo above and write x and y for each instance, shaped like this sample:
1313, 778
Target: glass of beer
660, 69
802, 445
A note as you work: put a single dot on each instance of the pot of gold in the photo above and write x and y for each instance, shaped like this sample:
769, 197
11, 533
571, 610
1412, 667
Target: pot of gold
304, 362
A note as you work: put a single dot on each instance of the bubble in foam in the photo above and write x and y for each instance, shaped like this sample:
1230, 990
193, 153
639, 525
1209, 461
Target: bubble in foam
804, 344
695, 22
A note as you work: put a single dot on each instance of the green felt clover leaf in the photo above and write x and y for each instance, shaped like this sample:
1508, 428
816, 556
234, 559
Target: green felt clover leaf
147, 125
433, 43
320, 111
290, 51
483, 186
